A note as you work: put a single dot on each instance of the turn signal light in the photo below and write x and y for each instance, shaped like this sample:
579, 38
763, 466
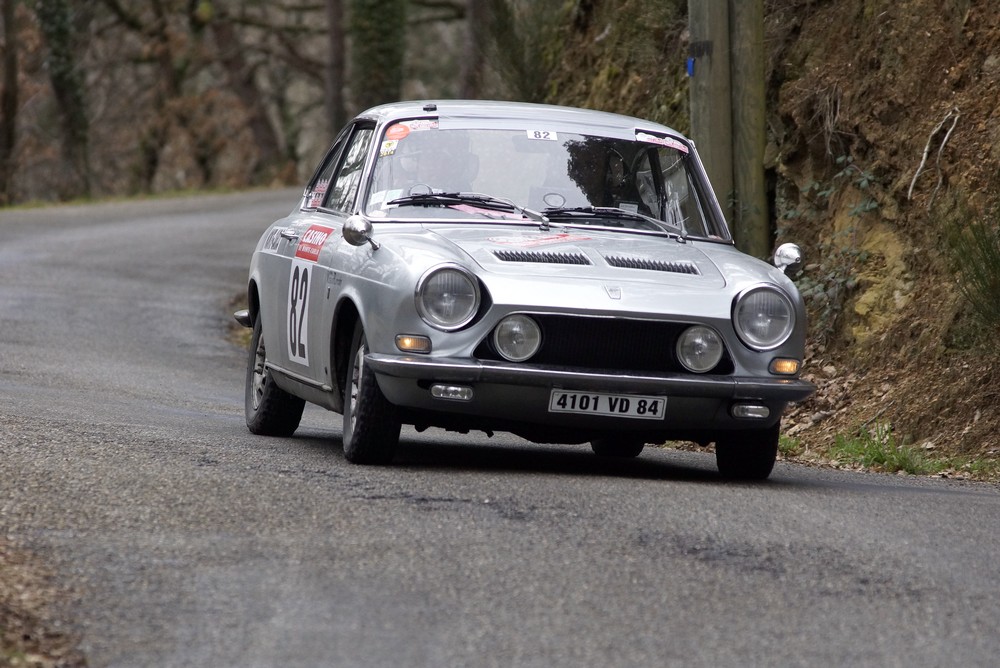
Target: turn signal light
782, 366
413, 344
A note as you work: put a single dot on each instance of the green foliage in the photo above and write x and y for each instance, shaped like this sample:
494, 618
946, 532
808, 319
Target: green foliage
975, 255
877, 448
982, 469
55, 18
862, 179
789, 446
625, 56
828, 284
378, 52
524, 45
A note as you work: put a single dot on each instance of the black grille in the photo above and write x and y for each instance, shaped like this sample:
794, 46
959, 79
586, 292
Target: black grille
612, 344
548, 257
652, 265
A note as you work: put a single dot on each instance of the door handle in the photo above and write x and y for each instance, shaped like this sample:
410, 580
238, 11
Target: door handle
289, 234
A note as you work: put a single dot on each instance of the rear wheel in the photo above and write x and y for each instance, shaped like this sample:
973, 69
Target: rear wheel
270, 411
747, 455
371, 425
617, 447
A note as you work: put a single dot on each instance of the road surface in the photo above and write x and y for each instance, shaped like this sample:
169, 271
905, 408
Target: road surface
181, 539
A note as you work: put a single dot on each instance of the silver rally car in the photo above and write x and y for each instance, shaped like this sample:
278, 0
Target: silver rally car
561, 274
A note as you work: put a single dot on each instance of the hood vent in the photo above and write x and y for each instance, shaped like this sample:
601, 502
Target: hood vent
546, 257
682, 267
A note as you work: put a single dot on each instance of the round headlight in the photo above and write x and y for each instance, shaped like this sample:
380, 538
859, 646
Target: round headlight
447, 297
764, 318
699, 349
517, 338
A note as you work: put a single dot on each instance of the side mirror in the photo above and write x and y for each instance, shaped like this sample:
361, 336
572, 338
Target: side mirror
358, 232
788, 258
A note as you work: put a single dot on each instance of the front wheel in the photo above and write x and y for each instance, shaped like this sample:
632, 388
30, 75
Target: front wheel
270, 411
747, 455
371, 425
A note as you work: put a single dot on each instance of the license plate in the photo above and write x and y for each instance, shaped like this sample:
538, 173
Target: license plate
617, 405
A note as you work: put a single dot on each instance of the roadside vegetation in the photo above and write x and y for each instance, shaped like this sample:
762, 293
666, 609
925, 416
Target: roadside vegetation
876, 448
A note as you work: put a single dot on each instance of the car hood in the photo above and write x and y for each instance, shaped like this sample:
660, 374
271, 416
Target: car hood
590, 270
585, 253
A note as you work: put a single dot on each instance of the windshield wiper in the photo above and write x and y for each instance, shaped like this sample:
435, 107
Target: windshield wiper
476, 199
610, 212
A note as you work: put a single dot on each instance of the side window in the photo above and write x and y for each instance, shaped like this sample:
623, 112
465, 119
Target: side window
645, 184
345, 186
682, 207
320, 184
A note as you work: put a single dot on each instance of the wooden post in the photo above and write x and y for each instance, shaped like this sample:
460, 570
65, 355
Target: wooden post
751, 223
710, 93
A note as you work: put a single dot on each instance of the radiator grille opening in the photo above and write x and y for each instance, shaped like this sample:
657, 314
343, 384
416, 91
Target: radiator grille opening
607, 344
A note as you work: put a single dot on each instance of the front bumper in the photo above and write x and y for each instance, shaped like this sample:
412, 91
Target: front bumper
518, 392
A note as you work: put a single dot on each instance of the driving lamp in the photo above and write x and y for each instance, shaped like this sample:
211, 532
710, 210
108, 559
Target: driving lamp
699, 349
517, 338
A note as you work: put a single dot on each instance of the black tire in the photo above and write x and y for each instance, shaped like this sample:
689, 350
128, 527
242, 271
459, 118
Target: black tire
621, 447
371, 424
748, 455
270, 411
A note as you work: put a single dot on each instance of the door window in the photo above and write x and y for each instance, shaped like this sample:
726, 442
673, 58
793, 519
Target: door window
320, 184
344, 189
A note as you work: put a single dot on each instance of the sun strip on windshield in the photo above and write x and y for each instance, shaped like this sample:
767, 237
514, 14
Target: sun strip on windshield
669, 142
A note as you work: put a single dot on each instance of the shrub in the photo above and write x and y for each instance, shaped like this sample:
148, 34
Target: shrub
975, 252
877, 448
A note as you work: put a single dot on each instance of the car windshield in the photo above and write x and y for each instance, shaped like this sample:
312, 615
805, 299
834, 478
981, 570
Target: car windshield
426, 172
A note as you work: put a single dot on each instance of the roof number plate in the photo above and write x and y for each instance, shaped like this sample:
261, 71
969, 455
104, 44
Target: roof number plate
544, 135
616, 405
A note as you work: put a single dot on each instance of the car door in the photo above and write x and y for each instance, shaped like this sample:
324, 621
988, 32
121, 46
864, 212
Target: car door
282, 287
310, 251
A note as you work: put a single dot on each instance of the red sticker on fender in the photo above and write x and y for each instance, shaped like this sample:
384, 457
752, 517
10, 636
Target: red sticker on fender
312, 242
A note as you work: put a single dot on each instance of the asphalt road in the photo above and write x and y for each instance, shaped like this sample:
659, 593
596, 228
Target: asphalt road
183, 540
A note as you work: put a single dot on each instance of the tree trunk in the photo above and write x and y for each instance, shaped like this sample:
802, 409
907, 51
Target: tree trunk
67, 85
751, 223
711, 102
379, 46
336, 111
8, 102
476, 34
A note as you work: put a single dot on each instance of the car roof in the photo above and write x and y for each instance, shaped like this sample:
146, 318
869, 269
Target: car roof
471, 110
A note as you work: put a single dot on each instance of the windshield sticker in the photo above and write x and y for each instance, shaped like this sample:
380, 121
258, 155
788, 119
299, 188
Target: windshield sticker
533, 241
544, 135
397, 131
388, 147
402, 130
312, 242
420, 124
661, 141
